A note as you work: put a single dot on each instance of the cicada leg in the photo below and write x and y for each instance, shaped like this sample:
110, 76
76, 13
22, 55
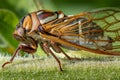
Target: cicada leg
56, 48
44, 49
47, 48
26, 48
16, 52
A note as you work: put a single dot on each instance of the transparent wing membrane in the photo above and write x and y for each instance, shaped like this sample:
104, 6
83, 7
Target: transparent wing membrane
109, 21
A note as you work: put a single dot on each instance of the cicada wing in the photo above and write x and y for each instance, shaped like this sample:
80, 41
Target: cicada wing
109, 20
62, 22
68, 43
89, 30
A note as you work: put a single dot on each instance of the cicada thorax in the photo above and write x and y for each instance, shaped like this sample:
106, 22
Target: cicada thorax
35, 20
45, 16
33, 23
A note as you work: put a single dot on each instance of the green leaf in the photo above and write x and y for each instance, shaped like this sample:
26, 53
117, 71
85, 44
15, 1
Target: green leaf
8, 21
2, 42
21, 7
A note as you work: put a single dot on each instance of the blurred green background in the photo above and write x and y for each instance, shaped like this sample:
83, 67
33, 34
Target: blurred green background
11, 11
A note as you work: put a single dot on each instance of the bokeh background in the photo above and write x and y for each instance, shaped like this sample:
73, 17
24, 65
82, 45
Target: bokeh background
11, 11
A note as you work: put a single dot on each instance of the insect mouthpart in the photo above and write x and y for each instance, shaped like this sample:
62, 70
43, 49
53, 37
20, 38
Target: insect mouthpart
18, 37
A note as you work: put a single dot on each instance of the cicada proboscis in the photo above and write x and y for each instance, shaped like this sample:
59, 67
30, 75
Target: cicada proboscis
96, 31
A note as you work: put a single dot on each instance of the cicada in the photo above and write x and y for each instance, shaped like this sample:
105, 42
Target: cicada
96, 31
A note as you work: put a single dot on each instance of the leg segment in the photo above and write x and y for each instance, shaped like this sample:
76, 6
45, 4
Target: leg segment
23, 47
42, 45
46, 46
57, 49
16, 52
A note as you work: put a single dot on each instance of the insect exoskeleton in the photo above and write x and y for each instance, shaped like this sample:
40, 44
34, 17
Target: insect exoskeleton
84, 31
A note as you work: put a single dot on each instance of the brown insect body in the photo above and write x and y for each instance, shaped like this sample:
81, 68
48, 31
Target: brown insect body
55, 30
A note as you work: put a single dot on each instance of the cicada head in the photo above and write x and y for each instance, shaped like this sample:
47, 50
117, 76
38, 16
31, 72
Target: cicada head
23, 26
19, 31
28, 43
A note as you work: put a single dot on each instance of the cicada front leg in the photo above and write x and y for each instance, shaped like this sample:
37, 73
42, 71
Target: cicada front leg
15, 53
26, 48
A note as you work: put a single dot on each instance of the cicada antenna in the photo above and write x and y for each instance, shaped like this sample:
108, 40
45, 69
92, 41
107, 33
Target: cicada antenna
39, 4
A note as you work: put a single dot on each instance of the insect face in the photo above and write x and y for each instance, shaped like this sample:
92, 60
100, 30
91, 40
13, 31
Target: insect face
28, 44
